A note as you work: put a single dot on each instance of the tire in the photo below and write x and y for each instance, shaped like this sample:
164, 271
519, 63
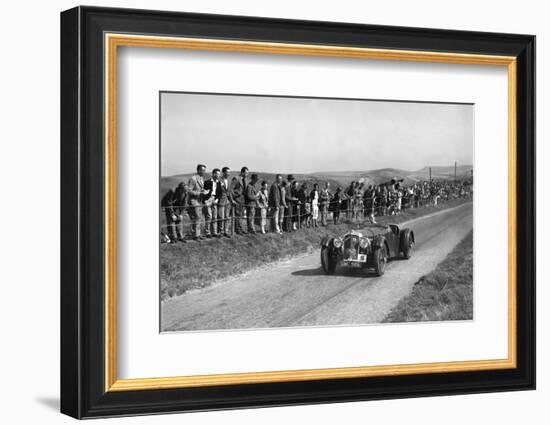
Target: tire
407, 249
327, 261
380, 260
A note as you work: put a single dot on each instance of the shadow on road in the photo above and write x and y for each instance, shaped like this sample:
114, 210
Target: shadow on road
311, 272
340, 272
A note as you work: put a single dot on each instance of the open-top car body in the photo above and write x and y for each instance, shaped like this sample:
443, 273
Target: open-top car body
371, 247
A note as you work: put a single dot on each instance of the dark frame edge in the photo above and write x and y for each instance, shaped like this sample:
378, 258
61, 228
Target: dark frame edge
71, 350
526, 213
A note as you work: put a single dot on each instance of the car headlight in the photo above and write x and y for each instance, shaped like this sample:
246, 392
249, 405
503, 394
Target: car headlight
337, 243
363, 243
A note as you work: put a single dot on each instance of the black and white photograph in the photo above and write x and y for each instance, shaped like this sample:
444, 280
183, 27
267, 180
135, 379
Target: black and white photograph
281, 212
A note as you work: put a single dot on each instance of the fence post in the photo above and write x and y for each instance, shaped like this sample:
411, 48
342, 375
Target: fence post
232, 222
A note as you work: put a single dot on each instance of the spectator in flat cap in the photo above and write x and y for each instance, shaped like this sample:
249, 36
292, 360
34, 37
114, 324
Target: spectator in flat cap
291, 202
336, 204
324, 200
238, 192
276, 203
252, 195
225, 203
283, 213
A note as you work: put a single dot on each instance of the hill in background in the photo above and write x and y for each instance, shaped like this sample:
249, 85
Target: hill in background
171, 182
442, 172
344, 178
379, 176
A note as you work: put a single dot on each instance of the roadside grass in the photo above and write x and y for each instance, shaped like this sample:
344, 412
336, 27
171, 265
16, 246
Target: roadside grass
444, 294
196, 265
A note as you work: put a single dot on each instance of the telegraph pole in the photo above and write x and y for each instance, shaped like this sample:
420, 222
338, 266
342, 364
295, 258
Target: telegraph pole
455, 172
430, 168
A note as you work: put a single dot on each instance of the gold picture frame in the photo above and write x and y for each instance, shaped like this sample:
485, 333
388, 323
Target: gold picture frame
114, 41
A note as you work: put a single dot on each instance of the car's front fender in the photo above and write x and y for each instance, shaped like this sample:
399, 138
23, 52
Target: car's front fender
378, 241
326, 241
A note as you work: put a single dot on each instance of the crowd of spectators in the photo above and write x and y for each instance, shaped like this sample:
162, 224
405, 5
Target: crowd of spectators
224, 206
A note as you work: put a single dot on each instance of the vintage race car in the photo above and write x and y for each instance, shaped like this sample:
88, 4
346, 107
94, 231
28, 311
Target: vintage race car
372, 247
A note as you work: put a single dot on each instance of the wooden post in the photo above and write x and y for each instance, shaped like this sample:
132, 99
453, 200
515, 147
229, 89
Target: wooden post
455, 172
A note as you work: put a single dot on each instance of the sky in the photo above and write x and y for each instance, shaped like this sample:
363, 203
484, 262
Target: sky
307, 135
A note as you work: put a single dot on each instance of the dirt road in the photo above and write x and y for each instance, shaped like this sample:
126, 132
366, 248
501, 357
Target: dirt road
298, 293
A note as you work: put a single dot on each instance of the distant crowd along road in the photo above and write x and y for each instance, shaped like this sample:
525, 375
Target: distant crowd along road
223, 206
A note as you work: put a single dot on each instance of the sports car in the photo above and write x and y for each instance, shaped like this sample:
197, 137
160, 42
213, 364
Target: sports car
371, 247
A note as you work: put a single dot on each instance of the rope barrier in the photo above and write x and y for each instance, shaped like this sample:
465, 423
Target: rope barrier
357, 209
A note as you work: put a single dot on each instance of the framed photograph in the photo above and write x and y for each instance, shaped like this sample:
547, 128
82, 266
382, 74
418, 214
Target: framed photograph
261, 212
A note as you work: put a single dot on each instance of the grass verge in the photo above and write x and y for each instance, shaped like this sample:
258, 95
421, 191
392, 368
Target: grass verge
444, 294
196, 265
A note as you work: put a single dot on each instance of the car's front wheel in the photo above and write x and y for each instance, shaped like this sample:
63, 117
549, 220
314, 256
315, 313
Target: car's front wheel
380, 260
327, 260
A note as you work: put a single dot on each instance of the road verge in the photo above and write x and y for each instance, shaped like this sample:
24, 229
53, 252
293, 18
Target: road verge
444, 294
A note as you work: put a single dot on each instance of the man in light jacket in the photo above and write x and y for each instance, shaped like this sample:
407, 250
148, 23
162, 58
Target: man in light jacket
275, 202
195, 194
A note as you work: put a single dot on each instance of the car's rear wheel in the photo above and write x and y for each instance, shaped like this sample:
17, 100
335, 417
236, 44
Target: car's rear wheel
327, 261
407, 249
380, 260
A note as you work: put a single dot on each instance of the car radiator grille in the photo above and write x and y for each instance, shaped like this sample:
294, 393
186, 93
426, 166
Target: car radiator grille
351, 248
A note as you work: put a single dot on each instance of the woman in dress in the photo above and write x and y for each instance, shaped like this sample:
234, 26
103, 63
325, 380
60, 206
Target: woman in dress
314, 197
262, 203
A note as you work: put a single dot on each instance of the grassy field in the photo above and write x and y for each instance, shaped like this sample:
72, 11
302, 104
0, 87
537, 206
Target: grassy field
444, 294
195, 265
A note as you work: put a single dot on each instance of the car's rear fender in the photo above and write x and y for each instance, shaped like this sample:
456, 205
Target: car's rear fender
404, 237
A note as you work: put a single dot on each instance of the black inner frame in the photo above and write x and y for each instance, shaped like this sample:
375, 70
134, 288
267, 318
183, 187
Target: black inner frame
82, 216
